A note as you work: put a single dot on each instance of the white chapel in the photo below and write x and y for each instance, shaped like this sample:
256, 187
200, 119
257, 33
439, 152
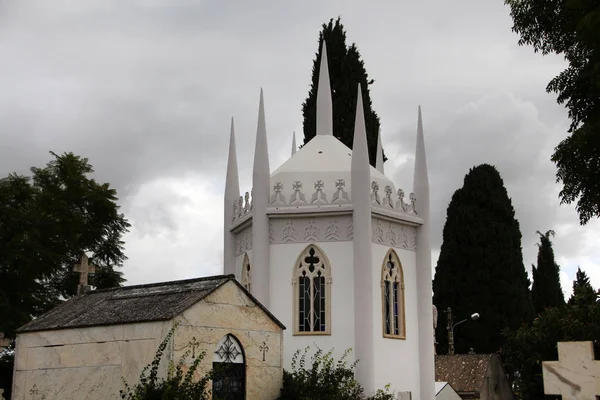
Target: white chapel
336, 252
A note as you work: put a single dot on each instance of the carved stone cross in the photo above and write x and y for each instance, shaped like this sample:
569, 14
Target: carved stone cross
194, 344
576, 375
84, 268
264, 348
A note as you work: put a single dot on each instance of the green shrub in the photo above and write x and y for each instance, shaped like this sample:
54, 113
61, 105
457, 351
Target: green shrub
176, 386
324, 379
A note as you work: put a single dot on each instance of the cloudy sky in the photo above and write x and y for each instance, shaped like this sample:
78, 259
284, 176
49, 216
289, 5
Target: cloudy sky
146, 88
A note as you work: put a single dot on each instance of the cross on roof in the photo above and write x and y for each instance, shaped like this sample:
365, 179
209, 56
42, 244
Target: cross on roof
84, 268
576, 375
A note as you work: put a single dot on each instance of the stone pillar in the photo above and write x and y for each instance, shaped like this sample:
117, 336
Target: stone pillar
232, 193
424, 278
363, 281
260, 267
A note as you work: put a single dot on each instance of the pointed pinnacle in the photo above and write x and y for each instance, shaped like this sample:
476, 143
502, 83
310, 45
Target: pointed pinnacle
324, 102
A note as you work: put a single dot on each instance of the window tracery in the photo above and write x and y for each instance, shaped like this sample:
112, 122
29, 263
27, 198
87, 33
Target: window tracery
312, 293
247, 274
392, 296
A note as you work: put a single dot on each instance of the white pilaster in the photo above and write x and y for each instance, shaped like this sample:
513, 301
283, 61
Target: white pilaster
379, 162
294, 143
260, 221
363, 284
423, 258
232, 193
324, 103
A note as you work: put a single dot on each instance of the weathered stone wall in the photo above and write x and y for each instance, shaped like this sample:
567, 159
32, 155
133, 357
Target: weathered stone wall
89, 363
83, 362
230, 311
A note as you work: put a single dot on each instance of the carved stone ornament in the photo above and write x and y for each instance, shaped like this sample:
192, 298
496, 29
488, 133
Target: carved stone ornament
401, 205
319, 196
340, 195
388, 202
311, 229
395, 235
246, 203
378, 232
413, 203
311, 232
375, 199
333, 232
277, 198
297, 197
290, 233
243, 241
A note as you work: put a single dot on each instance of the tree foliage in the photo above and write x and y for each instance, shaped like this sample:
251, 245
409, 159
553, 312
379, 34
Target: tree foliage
546, 290
346, 70
46, 222
583, 292
480, 267
526, 347
322, 378
570, 28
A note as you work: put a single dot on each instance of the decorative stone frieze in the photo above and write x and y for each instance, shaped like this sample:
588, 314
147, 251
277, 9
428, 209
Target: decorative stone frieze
394, 234
312, 229
243, 241
339, 195
242, 207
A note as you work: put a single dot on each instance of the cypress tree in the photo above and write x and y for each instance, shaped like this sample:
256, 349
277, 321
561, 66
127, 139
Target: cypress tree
546, 291
480, 267
583, 292
346, 70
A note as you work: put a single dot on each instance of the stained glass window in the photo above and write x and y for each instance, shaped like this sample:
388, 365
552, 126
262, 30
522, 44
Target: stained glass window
392, 296
313, 278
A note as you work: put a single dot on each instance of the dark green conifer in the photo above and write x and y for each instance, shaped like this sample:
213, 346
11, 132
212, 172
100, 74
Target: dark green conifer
480, 267
546, 291
346, 70
583, 292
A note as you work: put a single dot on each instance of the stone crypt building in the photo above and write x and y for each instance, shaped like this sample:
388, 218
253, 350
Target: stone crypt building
83, 348
336, 252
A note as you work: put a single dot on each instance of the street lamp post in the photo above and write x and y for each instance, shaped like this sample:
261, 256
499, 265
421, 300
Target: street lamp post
450, 327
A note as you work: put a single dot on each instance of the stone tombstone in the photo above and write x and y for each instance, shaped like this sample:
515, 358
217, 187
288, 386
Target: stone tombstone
576, 375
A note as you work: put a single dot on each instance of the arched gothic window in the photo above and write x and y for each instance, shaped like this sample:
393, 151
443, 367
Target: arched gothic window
392, 296
229, 369
246, 274
312, 293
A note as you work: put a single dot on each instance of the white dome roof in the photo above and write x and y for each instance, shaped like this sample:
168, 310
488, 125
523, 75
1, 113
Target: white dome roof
324, 158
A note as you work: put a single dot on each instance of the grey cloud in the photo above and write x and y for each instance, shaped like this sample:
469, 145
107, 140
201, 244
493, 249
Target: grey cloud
145, 89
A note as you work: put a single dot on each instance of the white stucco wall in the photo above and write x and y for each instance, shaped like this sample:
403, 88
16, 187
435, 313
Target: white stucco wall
283, 259
397, 360
83, 362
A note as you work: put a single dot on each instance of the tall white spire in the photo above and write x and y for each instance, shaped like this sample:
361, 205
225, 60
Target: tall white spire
363, 281
232, 193
324, 103
294, 143
423, 258
379, 162
260, 200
